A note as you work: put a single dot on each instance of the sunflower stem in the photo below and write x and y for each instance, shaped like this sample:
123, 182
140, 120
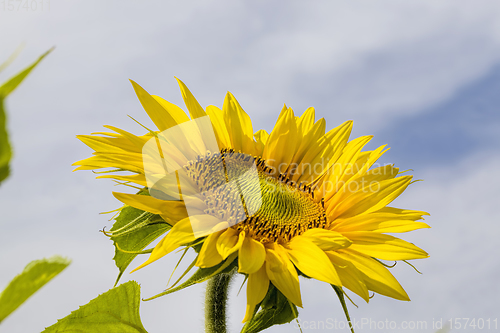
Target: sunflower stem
215, 303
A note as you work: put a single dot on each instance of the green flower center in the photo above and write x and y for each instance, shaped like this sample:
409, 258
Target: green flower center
244, 191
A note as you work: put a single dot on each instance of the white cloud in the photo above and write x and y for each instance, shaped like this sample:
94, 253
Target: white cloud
349, 59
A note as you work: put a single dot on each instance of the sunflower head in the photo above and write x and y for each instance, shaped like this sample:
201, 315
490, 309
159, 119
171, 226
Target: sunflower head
297, 201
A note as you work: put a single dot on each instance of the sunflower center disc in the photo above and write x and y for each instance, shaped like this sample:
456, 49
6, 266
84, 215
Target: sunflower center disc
274, 209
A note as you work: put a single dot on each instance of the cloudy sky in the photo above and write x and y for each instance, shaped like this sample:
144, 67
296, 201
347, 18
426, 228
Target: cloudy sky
422, 76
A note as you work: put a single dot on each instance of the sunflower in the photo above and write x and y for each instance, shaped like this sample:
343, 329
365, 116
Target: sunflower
298, 201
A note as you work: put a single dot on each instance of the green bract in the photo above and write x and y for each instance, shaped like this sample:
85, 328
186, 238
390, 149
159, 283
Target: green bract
275, 309
133, 230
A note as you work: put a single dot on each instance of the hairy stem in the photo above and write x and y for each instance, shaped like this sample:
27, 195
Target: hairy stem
215, 303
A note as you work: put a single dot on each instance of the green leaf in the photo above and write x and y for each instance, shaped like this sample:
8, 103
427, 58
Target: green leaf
34, 276
133, 230
5, 90
5, 149
12, 84
115, 311
276, 309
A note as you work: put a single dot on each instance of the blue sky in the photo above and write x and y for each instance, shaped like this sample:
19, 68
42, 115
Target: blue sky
449, 131
421, 76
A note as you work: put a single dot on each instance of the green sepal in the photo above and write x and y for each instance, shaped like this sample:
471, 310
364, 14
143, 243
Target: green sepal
202, 275
137, 230
275, 309
36, 274
196, 245
115, 311
340, 294
5, 90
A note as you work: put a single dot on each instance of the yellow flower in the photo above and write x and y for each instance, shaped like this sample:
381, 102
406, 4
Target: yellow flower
320, 207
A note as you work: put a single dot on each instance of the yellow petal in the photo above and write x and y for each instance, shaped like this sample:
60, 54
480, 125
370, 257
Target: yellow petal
217, 117
406, 214
194, 108
126, 161
342, 160
358, 178
283, 274
309, 142
161, 118
175, 112
328, 148
261, 136
142, 202
327, 240
138, 141
312, 261
180, 234
367, 161
229, 242
282, 143
104, 144
380, 195
382, 222
384, 247
173, 210
99, 161
397, 226
306, 121
135, 178
239, 125
175, 186
251, 256
257, 286
209, 256
349, 275
377, 278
